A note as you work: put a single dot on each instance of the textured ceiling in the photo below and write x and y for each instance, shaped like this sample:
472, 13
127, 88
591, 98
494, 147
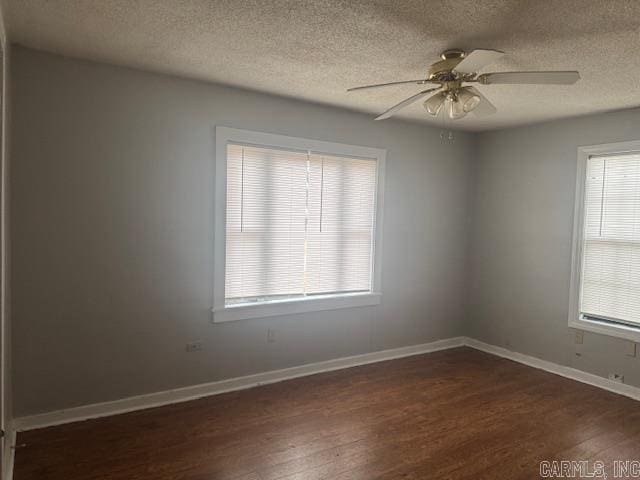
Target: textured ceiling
315, 50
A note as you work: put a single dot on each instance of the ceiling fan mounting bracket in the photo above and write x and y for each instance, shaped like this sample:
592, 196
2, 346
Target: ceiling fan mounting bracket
452, 53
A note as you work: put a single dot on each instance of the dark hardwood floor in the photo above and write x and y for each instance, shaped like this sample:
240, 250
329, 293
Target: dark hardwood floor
455, 414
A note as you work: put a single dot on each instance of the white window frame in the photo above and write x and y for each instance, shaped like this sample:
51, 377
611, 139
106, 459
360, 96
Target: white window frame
226, 313
576, 321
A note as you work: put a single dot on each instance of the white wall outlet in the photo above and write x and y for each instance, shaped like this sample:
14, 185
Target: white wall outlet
194, 346
579, 337
632, 349
616, 377
271, 335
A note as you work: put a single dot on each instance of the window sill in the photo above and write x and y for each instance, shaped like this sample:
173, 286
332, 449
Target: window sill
625, 332
290, 307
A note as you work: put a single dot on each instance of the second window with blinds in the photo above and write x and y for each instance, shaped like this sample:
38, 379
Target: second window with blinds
606, 276
301, 224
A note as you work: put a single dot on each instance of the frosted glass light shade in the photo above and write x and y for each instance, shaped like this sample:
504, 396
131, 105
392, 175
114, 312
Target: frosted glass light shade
468, 100
433, 104
455, 109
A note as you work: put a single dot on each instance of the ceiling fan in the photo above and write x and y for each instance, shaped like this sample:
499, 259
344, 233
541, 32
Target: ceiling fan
458, 68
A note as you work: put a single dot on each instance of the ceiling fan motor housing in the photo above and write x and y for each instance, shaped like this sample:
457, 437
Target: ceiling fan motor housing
442, 71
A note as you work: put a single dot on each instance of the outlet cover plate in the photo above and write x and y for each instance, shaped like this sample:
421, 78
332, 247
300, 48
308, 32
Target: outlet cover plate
616, 377
193, 346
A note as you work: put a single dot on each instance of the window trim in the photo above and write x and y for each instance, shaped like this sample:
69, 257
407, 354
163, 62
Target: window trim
576, 321
226, 313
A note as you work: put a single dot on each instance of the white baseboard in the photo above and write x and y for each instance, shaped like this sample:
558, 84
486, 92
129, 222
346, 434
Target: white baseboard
568, 372
8, 455
204, 390
158, 399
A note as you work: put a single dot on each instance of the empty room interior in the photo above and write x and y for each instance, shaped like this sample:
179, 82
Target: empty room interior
319, 239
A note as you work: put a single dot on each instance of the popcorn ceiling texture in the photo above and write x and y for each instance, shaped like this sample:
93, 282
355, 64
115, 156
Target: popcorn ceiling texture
315, 50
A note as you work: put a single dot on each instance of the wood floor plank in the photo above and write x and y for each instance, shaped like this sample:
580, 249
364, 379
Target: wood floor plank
456, 414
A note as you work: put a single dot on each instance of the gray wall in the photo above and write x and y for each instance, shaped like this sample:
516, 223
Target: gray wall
522, 221
112, 232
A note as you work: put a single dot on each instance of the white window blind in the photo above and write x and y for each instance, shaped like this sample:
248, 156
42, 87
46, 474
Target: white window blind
298, 224
610, 288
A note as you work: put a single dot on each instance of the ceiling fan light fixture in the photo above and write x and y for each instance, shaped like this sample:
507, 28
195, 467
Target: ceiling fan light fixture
434, 104
468, 100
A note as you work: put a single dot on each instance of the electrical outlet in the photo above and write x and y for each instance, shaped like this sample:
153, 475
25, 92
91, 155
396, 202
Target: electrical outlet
578, 349
632, 349
616, 377
271, 335
579, 337
194, 346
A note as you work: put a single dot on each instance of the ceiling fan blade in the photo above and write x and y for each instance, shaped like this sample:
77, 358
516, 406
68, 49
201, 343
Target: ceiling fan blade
531, 78
478, 59
405, 103
417, 82
485, 107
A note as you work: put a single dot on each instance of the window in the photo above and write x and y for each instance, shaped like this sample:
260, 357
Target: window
301, 225
606, 277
